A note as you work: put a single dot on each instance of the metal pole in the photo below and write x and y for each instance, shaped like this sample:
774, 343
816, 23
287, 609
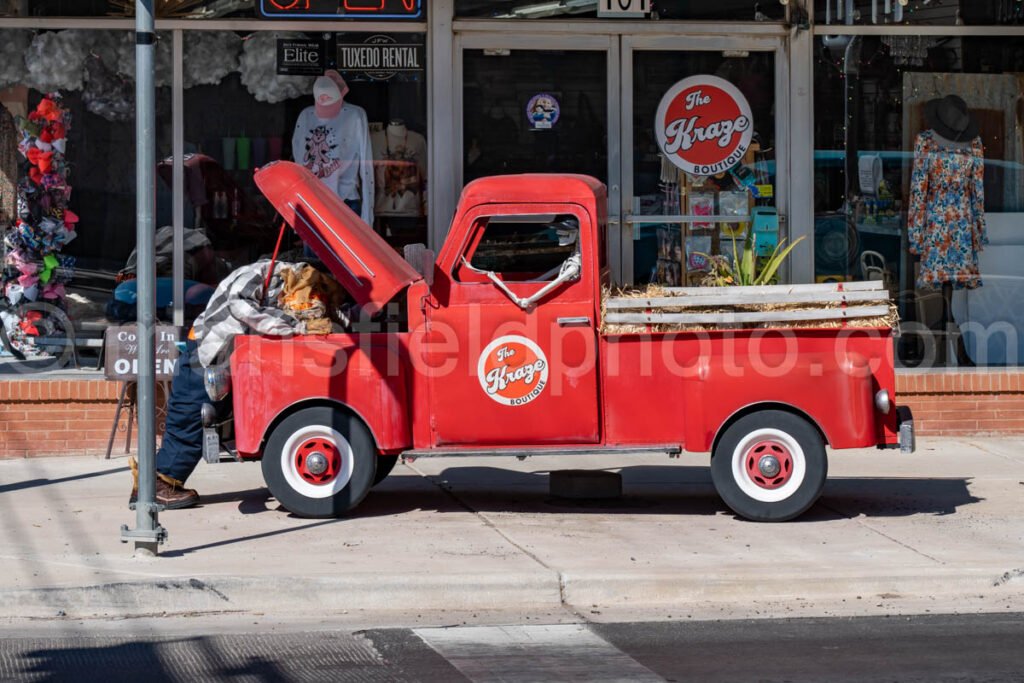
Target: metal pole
178, 183
148, 533
441, 86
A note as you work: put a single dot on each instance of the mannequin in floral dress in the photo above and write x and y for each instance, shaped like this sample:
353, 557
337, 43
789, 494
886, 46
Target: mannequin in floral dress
946, 216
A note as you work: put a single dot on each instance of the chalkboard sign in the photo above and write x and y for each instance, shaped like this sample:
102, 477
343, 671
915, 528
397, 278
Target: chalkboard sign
121, 351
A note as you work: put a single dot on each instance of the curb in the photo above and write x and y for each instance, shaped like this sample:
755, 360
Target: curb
662, 590
319, 596
292, 596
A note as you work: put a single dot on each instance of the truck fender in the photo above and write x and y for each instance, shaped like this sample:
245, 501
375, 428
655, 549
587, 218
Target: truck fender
765, 405
364, 374
315, 402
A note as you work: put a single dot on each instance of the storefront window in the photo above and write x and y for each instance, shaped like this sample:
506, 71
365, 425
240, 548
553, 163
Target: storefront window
730, 10
209, 9
919, 168
247, 102
535, 111
288, 10
376, 158
68, 182
920, 12
55, 8
723, 104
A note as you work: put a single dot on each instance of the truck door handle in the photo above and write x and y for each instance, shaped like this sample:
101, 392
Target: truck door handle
580, 321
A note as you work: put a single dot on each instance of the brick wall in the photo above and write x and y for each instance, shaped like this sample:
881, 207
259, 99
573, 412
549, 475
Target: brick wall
57, 417
966, 401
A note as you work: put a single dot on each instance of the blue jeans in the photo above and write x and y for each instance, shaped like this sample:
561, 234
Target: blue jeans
354, 204
182, 447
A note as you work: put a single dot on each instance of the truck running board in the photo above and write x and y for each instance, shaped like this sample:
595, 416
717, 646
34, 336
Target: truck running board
540, 450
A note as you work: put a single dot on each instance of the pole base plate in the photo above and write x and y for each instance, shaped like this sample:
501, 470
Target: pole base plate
157, 535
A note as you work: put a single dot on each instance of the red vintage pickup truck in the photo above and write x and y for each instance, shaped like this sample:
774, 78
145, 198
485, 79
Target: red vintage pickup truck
498, 348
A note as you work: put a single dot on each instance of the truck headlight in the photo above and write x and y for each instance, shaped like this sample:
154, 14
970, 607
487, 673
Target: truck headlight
883, 401
217, 382
209, 415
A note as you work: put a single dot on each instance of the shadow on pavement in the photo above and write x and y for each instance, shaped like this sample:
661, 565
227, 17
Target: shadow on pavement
158, 660
113, 662
34, 483
675, 489
250, 501
647, 490
896, 497
181, 552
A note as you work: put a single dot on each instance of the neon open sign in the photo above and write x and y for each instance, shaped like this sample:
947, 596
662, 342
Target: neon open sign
341, 9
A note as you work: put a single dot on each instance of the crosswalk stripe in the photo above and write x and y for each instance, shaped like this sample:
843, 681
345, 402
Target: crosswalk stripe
534, 654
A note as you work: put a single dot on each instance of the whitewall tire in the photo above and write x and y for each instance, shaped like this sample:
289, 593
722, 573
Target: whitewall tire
770, 466
320, 462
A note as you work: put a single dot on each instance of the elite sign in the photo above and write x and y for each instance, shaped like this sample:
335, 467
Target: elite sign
704, 125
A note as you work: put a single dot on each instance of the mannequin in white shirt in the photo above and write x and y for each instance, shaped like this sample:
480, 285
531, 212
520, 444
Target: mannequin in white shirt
401, 156
397, 133
332, 140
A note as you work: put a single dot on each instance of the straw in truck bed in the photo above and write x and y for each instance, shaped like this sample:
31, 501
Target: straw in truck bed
669, 309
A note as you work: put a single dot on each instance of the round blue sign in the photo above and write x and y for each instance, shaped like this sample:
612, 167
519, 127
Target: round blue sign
542, 111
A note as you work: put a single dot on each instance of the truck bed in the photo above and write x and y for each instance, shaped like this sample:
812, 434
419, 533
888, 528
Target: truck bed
673, 309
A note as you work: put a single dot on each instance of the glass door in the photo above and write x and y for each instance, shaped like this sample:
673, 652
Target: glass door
539, 104
534, 104
704, 154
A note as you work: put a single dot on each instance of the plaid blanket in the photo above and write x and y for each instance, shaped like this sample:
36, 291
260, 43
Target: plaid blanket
238, 306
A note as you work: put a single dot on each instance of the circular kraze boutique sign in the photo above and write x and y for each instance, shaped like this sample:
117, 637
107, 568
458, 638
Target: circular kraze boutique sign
513, 370
704, 125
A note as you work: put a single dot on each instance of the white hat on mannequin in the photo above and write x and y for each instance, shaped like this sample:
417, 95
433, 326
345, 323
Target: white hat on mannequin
328, 97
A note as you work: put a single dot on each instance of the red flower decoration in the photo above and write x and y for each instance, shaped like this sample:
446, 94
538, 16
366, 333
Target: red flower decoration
28, 321
49, 110
40, 159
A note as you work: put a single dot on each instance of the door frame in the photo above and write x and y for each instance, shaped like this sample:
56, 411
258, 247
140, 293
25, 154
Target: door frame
775, 44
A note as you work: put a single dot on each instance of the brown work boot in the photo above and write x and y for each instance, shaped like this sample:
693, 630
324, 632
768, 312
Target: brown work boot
170, 493
132, 463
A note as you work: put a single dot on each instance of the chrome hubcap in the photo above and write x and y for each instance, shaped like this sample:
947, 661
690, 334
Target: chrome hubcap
316, 463
769, 466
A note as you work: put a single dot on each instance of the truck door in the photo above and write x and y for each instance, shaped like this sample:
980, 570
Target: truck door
513, 370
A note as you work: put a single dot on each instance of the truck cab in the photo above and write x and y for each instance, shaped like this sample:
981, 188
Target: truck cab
499, 350
498, 299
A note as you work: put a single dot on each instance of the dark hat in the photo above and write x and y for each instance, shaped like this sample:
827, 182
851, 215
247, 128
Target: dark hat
950, 118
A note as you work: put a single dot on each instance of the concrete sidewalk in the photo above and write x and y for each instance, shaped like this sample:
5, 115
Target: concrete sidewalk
939, 531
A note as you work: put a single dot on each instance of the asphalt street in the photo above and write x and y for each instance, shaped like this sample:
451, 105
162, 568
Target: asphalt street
905, 649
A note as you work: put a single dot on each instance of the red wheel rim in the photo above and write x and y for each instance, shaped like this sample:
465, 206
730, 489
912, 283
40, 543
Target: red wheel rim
769, 464
317, 461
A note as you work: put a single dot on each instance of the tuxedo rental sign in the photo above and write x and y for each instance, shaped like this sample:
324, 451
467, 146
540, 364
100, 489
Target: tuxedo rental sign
704, 125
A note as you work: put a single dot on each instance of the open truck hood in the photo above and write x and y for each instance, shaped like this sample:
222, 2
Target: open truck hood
363, 263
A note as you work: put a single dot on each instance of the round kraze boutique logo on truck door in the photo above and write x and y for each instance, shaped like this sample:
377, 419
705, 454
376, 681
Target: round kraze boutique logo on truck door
704, 125
513, 370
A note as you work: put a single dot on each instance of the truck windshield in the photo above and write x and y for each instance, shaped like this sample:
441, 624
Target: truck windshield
526, 248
